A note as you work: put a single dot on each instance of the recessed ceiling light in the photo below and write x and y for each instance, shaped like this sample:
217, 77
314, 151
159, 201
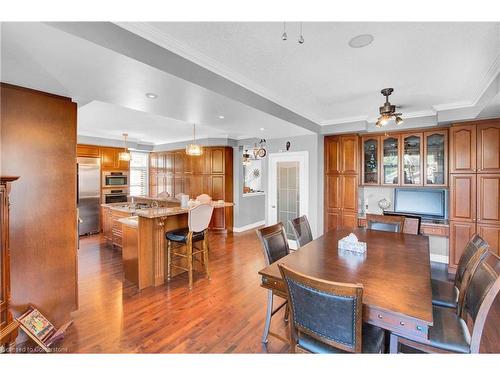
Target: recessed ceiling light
151, 95
361, 41
261, 128
221, 117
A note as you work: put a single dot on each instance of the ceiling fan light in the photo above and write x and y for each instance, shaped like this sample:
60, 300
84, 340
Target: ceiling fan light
399, 120
384, 120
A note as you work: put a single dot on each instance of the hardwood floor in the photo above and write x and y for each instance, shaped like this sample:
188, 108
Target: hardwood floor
221, 315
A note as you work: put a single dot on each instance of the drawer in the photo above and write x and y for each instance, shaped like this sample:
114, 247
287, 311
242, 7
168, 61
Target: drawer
361, 223
404, 326
434, 230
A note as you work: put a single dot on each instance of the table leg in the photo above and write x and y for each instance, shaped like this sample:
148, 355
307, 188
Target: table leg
394, 344
269, 313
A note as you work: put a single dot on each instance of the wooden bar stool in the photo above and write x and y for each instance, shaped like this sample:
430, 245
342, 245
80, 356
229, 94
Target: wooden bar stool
198, 220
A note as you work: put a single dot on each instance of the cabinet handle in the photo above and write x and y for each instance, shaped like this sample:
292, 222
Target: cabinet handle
402, 323
380, 316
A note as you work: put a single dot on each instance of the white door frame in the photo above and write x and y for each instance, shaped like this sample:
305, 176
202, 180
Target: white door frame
303, 158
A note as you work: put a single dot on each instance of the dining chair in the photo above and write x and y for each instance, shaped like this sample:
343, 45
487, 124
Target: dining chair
301, 230
327, 317
449, 333
411, 224
197, 231
163, 195
446, 293
275, 246
385, 223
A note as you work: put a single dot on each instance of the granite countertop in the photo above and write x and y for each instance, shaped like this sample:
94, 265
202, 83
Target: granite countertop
131, 221
152, 199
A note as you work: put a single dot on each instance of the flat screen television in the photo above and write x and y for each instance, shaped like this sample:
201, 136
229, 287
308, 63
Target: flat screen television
427, 203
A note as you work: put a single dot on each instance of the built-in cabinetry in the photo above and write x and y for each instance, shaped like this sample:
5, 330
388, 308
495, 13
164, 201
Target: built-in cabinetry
8, 329
109, 156
112, 229
341, 181
211, 173
405, 159
474, 185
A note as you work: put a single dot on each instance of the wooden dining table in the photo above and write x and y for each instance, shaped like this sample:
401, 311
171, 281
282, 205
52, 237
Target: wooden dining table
394, 272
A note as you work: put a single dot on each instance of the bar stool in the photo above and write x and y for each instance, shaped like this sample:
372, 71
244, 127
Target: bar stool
197, 231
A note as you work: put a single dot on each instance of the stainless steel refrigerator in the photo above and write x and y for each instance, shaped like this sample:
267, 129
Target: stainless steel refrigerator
89, 188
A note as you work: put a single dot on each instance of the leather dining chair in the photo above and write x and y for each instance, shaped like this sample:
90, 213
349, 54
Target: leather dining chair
197, 231
411, 224
327, 317
302, 230
450, 333
446, 293
385, 223
275, 246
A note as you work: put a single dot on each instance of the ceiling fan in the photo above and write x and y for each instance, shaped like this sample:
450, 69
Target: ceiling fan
388, 110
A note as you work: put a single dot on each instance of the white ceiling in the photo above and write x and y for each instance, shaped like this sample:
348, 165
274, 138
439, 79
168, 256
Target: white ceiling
110, 89
430, 65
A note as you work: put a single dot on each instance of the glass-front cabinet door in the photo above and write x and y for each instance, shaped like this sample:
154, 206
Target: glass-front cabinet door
435, 158
390, 159
371, 152
412, 159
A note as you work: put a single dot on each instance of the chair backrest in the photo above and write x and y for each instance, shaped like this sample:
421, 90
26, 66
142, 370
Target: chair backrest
385, 223
199, 217
481, 292
412, 222
179, 195
302, 230
469, 255
164, 194
326, 311
204, 198
274, 242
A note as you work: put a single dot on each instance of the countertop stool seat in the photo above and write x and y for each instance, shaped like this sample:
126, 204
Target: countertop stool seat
197, 232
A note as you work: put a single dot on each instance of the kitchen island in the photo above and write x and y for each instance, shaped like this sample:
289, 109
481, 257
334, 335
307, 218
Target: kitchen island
143, 239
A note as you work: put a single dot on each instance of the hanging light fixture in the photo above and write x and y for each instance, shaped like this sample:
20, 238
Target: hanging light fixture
125, 154
388, 111
284, 36
194, 149
301, 37
246, 159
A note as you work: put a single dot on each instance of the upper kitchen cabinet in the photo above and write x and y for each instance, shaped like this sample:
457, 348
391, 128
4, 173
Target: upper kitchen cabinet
488, 147
110, 159
332, 154
370, 160
341, 153
463, 149
436, 158
412, 151
390, 159
88, 151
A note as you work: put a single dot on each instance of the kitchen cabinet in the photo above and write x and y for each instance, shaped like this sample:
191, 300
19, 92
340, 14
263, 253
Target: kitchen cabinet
411, 159
341, 181
488, 198
463, 197
491, 234
488, 147
88, 151
463, 149
390, 162
436, 158
370, 164
460, 235
110, 159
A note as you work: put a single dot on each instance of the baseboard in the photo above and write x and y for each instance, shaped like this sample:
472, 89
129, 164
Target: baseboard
439, 258
249, 226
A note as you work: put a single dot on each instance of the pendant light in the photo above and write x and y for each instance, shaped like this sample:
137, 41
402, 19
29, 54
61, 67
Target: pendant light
194, 149
125, 154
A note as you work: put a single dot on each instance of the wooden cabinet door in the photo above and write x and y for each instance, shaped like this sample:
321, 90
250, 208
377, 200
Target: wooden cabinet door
412, 150
179, 162
488, 198
88, 151
436, 158
491, 234
463, 197
460, 234
217, 187
333, 219
332, 154
349, 219
488, 147
197, 186
349, 154
217, 161
349, 192
178, 185
370, 160
168, 162
108, 158
333, 192
390, 160
121, 165
218, 221
463, 149
198, 163
169, 185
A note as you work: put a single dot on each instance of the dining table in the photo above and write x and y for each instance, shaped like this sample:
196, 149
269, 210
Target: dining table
394, 271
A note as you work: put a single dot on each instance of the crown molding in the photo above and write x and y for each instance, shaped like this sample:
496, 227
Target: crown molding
148, 31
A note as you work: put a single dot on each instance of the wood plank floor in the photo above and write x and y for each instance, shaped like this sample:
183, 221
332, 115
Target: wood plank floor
221, 315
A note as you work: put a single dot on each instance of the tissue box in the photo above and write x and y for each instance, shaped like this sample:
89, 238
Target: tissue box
357, 247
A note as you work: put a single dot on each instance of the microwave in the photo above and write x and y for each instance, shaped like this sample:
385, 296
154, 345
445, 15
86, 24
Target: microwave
111, 179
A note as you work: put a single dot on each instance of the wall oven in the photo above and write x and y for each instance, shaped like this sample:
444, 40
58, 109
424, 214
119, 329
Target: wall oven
112, 179
114, 195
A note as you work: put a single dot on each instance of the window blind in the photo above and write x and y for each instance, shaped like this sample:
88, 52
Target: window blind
138, 173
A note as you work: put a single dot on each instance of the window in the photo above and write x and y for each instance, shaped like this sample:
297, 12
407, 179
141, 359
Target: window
139, 173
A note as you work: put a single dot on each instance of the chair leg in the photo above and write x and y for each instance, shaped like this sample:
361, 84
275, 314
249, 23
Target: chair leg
205, 256
394, 344
268, 316
169, 260
189, 245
